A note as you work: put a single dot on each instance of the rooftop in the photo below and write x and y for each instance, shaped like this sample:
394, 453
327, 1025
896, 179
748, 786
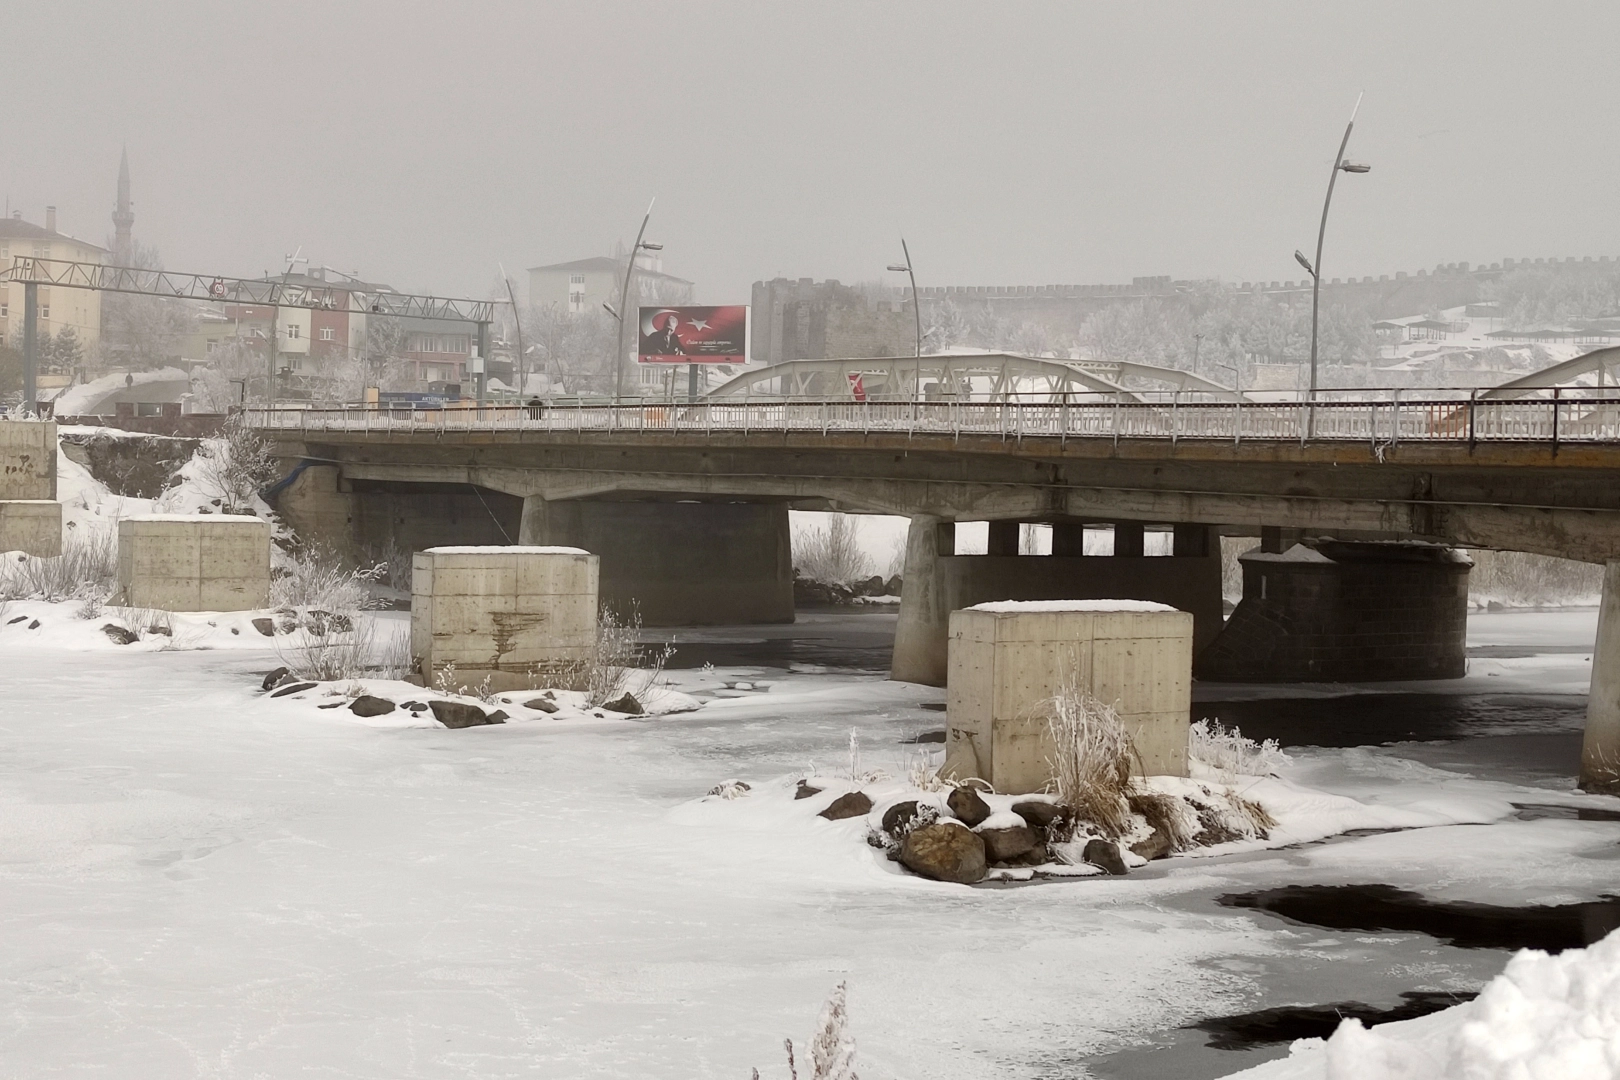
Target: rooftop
603, 264
15, 228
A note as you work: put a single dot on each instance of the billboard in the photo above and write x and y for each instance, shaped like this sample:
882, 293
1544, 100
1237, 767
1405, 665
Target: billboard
694, 335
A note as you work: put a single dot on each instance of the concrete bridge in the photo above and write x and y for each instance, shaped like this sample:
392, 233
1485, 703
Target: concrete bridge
687, 503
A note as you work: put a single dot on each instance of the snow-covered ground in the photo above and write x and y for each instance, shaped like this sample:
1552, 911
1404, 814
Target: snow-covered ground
198, 880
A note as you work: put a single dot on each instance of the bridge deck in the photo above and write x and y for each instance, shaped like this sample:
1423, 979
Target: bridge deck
1576, 419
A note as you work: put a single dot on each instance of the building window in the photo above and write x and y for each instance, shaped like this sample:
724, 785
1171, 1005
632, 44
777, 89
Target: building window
213, 343
4, 307
328, 334
45, 311
292, 332
576, 279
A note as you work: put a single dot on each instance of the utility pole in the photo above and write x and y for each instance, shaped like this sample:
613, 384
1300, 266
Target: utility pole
30, 394
270, 382
481, 375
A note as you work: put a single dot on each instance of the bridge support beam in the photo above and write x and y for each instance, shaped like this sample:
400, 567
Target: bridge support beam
1600, 750
938, 582
919, 640
678, 563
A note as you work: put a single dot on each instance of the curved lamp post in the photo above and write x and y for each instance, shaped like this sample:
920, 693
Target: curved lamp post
1315, 269
624, 297
916, 308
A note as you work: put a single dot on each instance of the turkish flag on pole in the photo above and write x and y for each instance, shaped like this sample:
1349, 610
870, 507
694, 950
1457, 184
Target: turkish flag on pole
857, 386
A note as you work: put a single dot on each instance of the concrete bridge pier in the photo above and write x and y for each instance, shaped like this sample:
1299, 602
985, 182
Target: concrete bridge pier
682, 563
938, 581
1600, 749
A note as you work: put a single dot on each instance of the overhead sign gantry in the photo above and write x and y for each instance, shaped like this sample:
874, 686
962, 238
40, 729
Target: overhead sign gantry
268, 292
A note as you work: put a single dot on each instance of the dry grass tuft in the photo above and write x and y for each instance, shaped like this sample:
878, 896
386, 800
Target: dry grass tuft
1093, 761
87, 569
1169, 816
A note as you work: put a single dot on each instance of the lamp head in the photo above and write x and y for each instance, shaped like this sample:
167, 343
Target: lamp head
1351, 166
900, 268
1306, 263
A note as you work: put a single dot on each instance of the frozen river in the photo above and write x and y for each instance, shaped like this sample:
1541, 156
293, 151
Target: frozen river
196, 881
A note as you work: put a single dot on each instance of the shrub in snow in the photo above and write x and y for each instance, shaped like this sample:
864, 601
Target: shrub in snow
1230, 754
611, 670
832, 1048
234, 467
315, 577
331, 650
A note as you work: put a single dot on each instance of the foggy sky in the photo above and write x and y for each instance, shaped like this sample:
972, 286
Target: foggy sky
423, 143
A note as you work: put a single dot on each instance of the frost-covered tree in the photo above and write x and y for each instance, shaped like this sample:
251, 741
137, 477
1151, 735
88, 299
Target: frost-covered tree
141, 332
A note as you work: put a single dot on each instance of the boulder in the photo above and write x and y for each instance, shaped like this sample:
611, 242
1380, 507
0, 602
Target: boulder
1003, 845
275, 678
625, 703
1156, 846
330, 705
366, 705
459, 714
34, 625
414, 706
969, 809
1042, 814
18, 619
806, 789
1104, 854
265, 626
1038, 855
545, 705
499, 716
292, 688
116, 634
944, 851
848, 805
898, 816
164, 630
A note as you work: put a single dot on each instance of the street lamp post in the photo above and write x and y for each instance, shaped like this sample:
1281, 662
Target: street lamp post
517, 323
1315, 269
624, 298
916, 309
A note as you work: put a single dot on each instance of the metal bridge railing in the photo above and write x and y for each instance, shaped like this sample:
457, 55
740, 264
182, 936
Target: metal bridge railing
1588, 416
